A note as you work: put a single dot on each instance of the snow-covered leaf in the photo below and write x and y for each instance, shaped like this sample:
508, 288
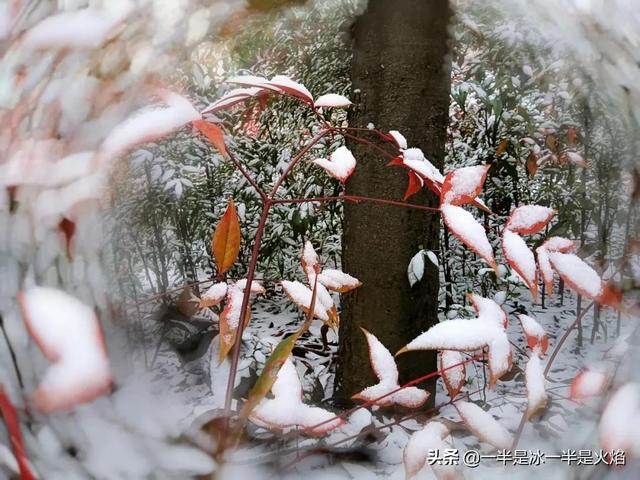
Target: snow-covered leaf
588, 383
483, 425
214, 295
332, 100
577, 274
618, 429
69, 335
467, 229
385, 369
286, 410
433, 258
534, 380
529, 219
461, 335
454, 373
488, 310
291, 87
234, 97
536, 336
400, 139
521, 259
301, 295
416, 452
463, 185
340, 165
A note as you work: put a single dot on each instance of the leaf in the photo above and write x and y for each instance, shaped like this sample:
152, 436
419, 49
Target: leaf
577, 274
529, 219
483, 425
532, 164
340, 165
415, 270
618, 428
574, 158
521, 259
415, 185
225, 244
461, 186
534, 380
80, 370
213, 133
188, 304
488, 310
572, 135
502, 147
433, 258
500, 357
68, 229
386, 370
466, 228
416, 453
332, 100
588, 383
454, 377
301, 295
458, 334
290, 87
399, 139
214, 295
338, 281
12, 424
234, 97
537, 339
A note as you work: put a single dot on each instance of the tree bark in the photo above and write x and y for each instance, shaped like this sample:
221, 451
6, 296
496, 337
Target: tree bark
401, 80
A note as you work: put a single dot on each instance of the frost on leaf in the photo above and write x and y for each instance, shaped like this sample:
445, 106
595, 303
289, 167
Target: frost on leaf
286, 410
454, 373
340, 165
483, 425
149, 124
534, 380
69, 335
431, 438
386, 370
588, 383
415, 270
467, 229
536, 336
529, 219
618, 427
521, 259
230, 316
463, 185
332, 100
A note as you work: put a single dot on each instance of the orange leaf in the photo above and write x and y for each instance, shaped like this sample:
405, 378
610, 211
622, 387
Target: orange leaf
532, 164
225, 244
571, 135
188, 303
213, 133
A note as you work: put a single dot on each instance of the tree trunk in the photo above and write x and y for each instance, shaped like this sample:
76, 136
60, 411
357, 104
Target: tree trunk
401, 80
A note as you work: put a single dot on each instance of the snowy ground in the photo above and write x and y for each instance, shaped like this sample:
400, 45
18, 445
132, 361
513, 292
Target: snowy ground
563, 425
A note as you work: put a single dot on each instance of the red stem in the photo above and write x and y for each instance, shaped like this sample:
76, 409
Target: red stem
12, 423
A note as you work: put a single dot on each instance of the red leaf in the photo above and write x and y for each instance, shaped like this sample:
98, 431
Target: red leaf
521, 259
454, 377
415, 185
529, 219
12, 424
213, 133
467, 229
588, 383
68, 229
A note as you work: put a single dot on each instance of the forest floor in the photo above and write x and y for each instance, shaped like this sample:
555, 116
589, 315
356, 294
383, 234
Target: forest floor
363, 448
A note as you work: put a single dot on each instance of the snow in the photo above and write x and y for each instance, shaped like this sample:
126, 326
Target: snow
534, 380
309, 261
588, 383
82, 29
520, 258
618, 427
214, 294
415, 270
416, 452
468, 231
340, 165
529, 219
483, 425
332, 100
69, 335
499, 356
545, 268
286, 409
337, 280
149, 124
385, 368
400, 139
286, 85
558, 244
454, 376
464, 184
578, 275
301, 295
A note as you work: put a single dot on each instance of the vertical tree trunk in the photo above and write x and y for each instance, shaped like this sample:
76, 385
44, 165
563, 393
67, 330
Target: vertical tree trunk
401, 80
